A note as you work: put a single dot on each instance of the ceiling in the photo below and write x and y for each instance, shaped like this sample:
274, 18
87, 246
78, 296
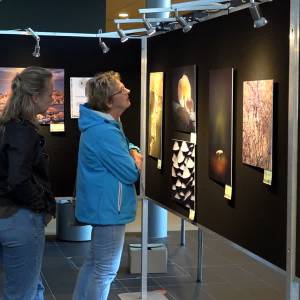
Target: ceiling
114, 7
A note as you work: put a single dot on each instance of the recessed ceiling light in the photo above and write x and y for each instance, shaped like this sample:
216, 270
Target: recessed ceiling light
123, 15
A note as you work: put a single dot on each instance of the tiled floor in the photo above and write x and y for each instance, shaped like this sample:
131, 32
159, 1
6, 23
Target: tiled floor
227, 274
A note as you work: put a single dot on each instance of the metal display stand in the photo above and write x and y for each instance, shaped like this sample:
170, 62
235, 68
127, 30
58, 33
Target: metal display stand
200, 256
292, 286
182, 233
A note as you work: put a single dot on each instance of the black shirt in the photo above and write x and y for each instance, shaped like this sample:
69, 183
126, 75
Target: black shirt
24, 178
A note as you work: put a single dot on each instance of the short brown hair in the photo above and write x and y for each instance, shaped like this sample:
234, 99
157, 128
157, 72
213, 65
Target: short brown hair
100, 88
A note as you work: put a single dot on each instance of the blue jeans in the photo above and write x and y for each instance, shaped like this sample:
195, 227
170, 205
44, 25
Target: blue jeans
102, 263
22, 243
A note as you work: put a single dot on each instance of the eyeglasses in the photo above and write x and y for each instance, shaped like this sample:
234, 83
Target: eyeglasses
123, 90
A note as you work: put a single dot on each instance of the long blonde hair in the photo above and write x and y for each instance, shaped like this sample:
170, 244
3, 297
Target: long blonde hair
20, 106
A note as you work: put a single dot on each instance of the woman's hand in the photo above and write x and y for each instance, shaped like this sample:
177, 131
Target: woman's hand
138, 158
47, 219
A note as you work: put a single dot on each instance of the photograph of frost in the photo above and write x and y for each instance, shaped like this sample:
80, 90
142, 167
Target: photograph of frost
183, 173
155, 114
220, 125
258, 123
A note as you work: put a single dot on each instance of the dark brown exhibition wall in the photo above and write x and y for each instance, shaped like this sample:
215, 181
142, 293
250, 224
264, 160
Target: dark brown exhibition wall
79, 57
255, 218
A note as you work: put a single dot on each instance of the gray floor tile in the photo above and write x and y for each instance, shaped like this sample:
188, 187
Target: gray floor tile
188, 258
60, 275
229, 252
261, 291
71, 249
233, 274
173, 270
188, 292
224, 291
209, 275
266, 274
136, 282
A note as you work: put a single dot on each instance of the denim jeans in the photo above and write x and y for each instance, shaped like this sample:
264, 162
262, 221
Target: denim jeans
22, 243
102, 263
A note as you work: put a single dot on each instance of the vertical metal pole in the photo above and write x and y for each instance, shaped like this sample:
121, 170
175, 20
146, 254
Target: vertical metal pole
292, 287
144, 278
200, 256
158, 216
144, 254
182, 233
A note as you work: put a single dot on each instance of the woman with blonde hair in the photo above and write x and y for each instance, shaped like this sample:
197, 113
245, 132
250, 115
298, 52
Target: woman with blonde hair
108, 167
26, 201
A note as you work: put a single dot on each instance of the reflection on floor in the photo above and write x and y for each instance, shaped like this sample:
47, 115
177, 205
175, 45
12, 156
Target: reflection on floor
228, 273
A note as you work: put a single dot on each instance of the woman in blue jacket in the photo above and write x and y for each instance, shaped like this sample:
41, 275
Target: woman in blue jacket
108, 167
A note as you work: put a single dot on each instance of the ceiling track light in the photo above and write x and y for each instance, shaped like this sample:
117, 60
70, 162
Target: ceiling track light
37, 50
36, 53
102, 45
150, 29
259, 21
122, 35
186, 27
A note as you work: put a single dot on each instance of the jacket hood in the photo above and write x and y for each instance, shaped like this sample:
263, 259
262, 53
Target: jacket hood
89, 117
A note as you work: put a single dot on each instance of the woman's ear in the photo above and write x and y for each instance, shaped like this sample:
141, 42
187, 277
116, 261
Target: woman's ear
35, 98
109, 103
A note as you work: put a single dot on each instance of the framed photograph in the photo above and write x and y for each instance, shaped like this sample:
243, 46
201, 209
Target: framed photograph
184, 98
183, 173
155, 114
258, 123
220, 125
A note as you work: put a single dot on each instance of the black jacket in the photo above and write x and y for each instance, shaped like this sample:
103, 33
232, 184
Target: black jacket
24, 177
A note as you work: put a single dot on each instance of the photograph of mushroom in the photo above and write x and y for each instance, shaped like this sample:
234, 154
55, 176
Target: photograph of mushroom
183, 173
220, 125
184, 98
258, 123
55, 113
155, 114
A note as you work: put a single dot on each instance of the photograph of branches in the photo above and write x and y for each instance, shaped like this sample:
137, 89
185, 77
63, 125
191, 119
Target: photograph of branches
258, 123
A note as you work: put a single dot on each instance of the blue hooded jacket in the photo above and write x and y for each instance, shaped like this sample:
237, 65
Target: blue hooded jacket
106, 172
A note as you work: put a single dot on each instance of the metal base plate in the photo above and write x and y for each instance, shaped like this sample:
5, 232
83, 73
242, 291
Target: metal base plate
153, 295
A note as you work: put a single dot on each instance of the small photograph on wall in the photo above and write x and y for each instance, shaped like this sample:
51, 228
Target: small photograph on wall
55, 113
6, 77
258, 123
183, 173
184, 98
155, 114
77, 94
220, 125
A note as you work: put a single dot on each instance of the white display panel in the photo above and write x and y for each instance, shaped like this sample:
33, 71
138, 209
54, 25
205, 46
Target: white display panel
77, 94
